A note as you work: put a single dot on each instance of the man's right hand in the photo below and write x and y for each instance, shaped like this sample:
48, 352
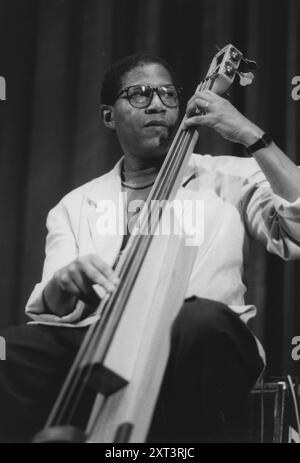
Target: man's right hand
75, 281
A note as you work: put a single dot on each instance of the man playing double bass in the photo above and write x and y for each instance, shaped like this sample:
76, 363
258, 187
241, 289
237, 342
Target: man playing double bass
214, 358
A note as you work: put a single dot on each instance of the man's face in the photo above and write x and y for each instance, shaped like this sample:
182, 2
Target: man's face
145, 132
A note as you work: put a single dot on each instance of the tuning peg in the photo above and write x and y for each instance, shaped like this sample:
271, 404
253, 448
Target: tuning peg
247, 65
246, 78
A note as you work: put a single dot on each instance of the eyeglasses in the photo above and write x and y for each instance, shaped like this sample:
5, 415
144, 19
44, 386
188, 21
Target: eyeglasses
140, 96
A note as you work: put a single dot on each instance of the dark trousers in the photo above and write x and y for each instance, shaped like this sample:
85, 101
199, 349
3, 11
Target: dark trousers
212, 366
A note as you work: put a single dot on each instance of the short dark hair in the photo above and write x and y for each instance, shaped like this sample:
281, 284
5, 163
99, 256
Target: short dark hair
112, 82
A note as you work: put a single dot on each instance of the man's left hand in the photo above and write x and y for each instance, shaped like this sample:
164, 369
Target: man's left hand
220, 115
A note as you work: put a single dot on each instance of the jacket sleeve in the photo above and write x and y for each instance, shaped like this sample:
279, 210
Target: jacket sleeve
61, 249
269, 218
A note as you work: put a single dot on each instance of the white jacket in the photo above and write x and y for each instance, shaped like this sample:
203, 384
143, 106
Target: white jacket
238, 203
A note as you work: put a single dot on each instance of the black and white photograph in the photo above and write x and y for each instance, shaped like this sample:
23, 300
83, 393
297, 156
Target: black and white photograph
150, 224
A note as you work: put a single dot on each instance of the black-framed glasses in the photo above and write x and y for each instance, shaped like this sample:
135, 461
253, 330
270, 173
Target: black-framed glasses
140, 96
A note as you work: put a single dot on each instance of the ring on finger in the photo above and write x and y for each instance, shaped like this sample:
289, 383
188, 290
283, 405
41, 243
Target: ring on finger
202, 110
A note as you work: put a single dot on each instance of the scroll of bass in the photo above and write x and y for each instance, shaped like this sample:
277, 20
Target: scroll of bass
121, 362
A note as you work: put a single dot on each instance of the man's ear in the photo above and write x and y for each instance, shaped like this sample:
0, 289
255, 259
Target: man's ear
107, 116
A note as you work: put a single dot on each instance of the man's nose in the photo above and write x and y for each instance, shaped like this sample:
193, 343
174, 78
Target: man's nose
156, 104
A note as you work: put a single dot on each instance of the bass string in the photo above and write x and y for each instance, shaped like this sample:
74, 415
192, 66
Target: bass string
187, 136
86, 375
71, 382
74, 383
79, 359
173, 175
112, 320
163, 183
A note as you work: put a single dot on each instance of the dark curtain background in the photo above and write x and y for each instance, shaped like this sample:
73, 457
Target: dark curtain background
53, 54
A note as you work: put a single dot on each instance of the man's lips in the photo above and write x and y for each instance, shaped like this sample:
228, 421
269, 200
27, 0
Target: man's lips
157, 123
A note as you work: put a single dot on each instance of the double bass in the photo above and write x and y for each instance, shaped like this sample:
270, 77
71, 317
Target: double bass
124, 353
